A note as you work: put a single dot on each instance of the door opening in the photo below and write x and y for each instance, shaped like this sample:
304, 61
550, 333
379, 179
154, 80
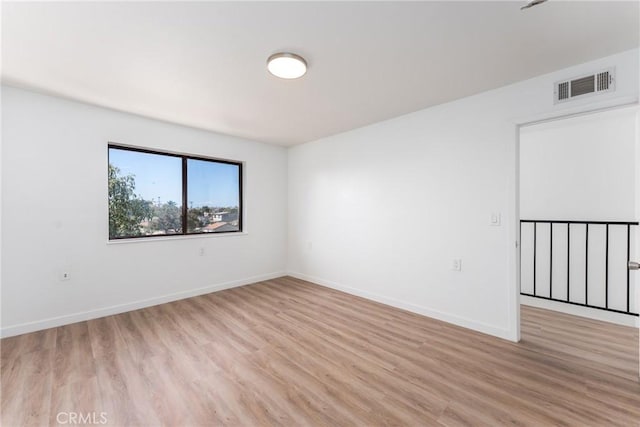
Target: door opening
579, 198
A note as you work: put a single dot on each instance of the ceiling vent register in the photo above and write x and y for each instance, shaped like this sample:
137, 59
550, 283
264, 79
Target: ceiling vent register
592, 84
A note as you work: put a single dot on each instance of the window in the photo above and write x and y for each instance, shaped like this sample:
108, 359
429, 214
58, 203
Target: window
159, 194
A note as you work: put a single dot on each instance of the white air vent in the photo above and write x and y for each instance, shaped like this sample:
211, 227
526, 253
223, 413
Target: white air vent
603, 81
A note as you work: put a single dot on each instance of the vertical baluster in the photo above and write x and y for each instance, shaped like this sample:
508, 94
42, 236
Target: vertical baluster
535, 250
606, 270
586, 265
628, 259
550, 260
568, 259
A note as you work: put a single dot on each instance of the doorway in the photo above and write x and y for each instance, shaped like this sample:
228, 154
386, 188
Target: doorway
578, 201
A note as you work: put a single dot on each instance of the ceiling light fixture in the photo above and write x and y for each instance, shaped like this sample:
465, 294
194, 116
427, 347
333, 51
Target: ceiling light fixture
287, 65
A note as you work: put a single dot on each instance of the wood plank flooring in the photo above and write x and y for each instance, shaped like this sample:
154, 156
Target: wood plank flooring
287, 352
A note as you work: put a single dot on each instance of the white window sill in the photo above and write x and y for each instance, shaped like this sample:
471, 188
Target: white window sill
174, 237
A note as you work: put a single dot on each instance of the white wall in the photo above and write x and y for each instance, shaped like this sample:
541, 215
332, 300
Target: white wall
382, 210
581, 168
54, 216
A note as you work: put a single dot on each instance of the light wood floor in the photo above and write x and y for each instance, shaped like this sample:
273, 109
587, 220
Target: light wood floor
286, 352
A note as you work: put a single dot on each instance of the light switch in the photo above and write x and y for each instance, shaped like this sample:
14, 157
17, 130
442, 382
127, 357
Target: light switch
495, 218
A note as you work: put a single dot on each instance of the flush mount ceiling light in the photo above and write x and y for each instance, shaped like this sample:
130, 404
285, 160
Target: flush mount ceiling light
286, 65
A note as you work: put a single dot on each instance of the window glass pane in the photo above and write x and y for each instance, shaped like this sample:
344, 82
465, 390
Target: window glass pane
213, 194
145, 194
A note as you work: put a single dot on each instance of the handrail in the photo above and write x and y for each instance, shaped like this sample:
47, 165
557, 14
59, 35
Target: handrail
558, 221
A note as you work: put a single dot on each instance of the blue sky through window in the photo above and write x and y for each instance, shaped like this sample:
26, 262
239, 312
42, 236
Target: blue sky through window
212, 184
158, 176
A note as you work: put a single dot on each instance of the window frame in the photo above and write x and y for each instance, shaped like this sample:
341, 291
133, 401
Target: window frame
184, 209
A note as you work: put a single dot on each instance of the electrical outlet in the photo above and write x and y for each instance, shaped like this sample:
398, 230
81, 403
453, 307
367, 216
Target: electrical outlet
456, 264
64, 276
201, 252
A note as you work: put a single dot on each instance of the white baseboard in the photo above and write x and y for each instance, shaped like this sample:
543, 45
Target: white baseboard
53, 322
576, 310
424, 311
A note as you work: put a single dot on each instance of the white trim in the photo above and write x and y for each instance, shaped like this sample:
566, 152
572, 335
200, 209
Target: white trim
424, 311
577, 110
631, 106
148, 239
513, 238
53, 322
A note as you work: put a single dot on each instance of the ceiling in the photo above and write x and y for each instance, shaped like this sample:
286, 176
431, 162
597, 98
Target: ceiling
204, 64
